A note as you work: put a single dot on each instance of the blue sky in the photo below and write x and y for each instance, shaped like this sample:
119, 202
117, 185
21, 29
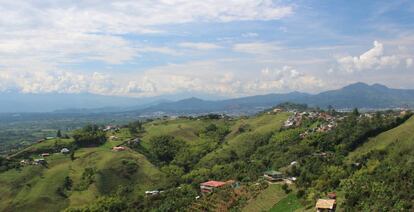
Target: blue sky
215, 48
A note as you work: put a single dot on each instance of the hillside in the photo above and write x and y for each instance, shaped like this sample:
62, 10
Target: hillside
175, 155
35, 187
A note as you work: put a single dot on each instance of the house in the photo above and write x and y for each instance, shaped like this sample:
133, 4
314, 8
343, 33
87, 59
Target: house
45, 154
273, 176
134, 141
111, 128
325, 205
64, 151
293, 163
152, 193
210, 186
118, 148
40, 161
277, 110
24, 162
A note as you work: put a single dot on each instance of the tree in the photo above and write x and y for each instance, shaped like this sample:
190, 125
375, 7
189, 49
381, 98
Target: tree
67, 184
285, 188
355, 112
59, 134
72, 156
135, 127
165, 147
90, 135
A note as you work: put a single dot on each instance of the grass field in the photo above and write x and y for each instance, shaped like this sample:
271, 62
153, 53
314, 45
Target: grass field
288, 204
240, 142
34, 188
397, 136
266, 199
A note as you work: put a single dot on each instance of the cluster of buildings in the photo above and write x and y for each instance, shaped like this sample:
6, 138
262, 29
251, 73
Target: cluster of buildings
296, 119
110, 128
41, 161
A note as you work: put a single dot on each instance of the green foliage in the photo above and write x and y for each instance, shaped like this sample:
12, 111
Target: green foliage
58, 134
67, 184
90, 135
88, 177
128, 168
287, 204
174, 174
292, 106
135, 127
174, 199
6, 164
104, 204
165, 147
190, 151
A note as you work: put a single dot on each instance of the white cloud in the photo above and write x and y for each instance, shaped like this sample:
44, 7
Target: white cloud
409, 62
57, 81
211, 77
215, 78
47, 34
285, 79
372, 59
199, 45
259, 48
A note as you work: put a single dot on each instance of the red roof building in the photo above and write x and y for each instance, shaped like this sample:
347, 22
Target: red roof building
118, 148
209, 186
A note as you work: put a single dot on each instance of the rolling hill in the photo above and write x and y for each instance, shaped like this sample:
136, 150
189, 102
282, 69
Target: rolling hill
221, 148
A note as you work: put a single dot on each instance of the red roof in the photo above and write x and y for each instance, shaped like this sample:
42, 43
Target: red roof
213, 183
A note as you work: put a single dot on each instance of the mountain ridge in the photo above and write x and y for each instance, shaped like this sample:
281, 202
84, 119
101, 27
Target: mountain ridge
360, 95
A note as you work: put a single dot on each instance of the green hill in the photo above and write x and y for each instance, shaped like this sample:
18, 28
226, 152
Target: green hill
175, 155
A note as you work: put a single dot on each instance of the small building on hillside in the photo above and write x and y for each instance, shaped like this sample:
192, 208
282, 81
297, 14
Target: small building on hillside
210, 186
45, 154
152, 193
64, 151
40, 161
24, 162
277, 110
273, 176
323, 205
134, 141
118, 148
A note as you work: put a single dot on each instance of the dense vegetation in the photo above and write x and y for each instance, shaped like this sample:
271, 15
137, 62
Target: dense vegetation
175, 155
90, 135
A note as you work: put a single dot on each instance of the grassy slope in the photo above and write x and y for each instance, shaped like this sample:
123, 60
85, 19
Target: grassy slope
266, 199
288, 204
240, 142
183, 129
34, 187
44, 146
401, 135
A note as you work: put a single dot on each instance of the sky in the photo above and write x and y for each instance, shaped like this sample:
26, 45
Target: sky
219, 48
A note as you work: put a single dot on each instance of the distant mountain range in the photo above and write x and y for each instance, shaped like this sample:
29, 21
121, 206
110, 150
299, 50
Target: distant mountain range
358, 95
